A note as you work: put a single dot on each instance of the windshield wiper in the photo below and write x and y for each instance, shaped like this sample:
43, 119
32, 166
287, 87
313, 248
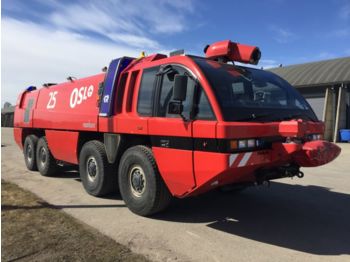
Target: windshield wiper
298, 115
274, 117
253, 117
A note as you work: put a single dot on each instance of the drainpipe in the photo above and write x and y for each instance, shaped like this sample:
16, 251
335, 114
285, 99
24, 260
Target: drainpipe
334, 104
334, 111
347, 106
338, 113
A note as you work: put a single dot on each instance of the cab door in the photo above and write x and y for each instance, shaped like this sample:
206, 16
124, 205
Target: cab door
171, 134
207, 160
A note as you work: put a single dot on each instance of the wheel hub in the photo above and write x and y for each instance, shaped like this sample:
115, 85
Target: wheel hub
92, 169
43, 155
137, 181
29, 153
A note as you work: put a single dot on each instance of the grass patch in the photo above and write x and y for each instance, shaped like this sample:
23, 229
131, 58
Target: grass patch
33, 230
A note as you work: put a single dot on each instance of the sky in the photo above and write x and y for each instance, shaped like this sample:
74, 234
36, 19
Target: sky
47, 40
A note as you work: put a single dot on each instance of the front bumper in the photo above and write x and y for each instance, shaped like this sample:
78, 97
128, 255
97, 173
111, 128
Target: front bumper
219, 169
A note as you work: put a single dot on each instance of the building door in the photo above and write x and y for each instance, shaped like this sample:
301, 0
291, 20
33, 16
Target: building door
317, 104
315, 96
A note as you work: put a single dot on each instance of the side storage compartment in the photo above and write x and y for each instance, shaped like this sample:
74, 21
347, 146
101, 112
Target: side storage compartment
63, 145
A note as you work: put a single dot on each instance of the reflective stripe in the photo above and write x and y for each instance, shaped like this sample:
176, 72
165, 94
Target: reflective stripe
245, 159
232, 159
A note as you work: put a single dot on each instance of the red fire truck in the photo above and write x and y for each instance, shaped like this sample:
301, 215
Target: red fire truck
159, 127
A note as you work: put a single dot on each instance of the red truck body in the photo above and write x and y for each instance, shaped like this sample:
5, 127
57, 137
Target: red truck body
192, 155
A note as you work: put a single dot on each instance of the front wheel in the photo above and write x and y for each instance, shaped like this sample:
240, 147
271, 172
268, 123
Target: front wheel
140, 184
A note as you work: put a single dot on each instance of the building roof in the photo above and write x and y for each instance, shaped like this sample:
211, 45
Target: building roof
327, 72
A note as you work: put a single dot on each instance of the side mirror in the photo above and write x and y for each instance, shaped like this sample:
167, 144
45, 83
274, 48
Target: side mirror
180, 88
175, 107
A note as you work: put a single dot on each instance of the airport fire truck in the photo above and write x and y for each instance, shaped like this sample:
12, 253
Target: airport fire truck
159, 126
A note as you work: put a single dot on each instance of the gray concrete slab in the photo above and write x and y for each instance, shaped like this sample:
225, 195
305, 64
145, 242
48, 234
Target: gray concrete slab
294, 220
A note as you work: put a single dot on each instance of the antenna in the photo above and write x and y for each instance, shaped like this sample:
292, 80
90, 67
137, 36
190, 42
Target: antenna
49, 84
71, 78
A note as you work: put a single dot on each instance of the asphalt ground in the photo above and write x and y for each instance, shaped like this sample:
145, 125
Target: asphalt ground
293, 220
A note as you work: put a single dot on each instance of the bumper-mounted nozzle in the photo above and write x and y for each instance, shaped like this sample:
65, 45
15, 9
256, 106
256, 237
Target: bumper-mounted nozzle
316, 153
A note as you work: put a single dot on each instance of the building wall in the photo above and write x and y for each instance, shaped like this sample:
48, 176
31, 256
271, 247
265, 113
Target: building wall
7, 119
331, 105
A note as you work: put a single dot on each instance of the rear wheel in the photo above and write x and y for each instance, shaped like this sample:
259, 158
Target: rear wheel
46, 163
97, 175
29, 151
140, 183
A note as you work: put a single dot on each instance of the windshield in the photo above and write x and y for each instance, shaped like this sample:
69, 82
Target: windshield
251, 94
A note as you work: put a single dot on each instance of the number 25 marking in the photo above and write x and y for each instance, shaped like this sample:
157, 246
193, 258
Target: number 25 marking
52, 101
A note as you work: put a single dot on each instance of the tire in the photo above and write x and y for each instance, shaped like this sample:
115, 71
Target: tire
29, 151
46, 163
97, 175
140, 184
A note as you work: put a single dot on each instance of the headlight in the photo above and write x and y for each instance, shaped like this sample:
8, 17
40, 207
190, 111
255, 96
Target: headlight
251, 143
315, 137
242, 144
246, 143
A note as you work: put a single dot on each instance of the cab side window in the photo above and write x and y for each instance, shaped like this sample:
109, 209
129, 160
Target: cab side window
166, 95
146, 92
204, 111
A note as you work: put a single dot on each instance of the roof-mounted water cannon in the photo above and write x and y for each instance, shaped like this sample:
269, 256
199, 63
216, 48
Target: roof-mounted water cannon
225, 51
